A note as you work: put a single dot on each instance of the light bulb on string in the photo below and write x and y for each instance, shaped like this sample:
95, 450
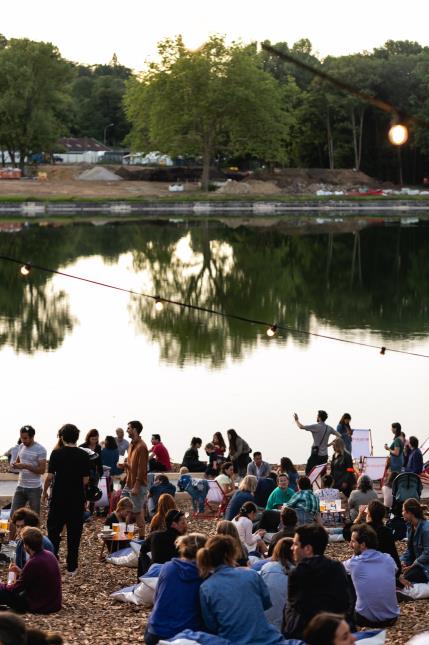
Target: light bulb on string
271, 331
398, 134
25, 269
159, 306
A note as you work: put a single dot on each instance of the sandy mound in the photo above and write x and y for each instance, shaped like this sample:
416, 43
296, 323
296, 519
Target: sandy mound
232, 187
99, 174
263, 187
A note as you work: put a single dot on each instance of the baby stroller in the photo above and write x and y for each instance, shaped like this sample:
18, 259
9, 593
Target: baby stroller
404, 486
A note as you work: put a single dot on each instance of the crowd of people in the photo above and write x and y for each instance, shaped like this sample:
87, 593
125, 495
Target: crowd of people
269, 543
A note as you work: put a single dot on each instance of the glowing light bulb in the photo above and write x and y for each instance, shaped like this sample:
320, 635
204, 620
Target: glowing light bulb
159, 306
398, 134
25, 269
271, 331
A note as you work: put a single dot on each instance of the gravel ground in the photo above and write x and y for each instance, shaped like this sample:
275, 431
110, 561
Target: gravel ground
90, 616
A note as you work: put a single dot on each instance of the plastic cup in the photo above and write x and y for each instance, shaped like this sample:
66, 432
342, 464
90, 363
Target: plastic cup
121, 459
115, 528
130, 531
122, 528
107, 529
11, 578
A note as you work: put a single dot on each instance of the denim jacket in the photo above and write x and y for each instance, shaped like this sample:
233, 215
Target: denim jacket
418, 545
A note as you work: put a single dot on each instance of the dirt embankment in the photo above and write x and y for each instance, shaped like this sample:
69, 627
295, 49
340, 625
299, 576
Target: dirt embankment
85, 181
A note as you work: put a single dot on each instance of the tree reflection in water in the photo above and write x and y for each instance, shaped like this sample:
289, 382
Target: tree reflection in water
374, 278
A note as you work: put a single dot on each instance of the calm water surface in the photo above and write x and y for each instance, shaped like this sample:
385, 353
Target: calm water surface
73, 352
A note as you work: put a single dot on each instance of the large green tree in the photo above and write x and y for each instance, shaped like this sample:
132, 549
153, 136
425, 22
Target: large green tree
216, 99
34, 95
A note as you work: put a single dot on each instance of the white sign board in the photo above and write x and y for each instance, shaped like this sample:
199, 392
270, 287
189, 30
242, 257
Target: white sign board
375, 467
361, 444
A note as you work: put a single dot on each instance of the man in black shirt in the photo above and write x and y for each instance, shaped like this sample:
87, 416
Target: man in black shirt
162, 544
316, 584
68, 473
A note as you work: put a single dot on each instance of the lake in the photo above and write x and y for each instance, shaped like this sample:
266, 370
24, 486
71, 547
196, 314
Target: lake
97, 357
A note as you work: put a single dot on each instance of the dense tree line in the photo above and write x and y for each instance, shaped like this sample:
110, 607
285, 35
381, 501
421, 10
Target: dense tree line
222, 102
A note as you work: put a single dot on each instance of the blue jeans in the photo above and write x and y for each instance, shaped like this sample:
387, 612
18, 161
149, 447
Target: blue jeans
23, 495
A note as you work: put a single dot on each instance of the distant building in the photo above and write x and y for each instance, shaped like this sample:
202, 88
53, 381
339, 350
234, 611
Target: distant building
81, 150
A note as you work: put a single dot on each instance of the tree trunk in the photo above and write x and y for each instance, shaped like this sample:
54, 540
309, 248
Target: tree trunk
22, 155
401, 177
330, 141
357, 133
206, 169
362, 116
355, 143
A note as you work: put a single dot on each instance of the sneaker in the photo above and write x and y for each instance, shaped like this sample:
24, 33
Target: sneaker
71, 574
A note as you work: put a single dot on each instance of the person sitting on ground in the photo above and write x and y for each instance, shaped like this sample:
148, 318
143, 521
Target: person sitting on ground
328, 629
220, 445
122, 513
316, 584
191, 458
226, 479
224, 527
159, 459
275, 575
110, 456
160, 486
305, 502
362, 496
21, 518
373, 516
165, 503
415, 560
280, 495
387, 490
162, 544
264, 488
177, 602
286, 466
253, 542
342, 469
327, 492
244, 494
184, 479
14, 632
38, 584
222, 593
415, 458
288, 523
373, 576
257, 467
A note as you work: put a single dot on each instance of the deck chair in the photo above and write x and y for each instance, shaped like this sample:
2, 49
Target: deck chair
316, 473
425, 446
216, 500
375, 468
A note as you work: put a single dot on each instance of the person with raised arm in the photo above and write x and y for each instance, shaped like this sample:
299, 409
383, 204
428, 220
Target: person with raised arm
321, 432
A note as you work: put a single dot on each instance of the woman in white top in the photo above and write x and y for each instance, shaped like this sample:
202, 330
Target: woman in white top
244, 525
275, 575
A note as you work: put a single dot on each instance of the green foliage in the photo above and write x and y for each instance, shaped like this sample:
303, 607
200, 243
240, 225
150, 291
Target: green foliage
34, 95
215, 99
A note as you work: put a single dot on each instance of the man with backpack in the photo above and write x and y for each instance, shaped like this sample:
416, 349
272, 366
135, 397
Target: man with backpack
320, 431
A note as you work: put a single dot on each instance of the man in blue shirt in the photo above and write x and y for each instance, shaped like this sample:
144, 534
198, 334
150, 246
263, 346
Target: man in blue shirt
373, 577
21, 518
415, 459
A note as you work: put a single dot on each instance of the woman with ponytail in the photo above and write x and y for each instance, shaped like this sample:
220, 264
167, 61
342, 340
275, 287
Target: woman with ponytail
415, 561
244, 525
233, 599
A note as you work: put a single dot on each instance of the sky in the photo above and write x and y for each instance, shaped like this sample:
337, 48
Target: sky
90, 31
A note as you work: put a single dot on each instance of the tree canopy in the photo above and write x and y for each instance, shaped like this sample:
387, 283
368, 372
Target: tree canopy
216, 99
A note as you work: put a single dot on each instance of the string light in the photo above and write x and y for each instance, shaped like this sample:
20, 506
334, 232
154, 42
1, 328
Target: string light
159, 306
398, 134
25, 269
271, 331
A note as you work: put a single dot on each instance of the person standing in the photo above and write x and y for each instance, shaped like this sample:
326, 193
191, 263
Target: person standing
122, 443
396, 449
345, 431
415, 458
320, 432
239, 451
136, 468
31, 464
68, 473
159, 459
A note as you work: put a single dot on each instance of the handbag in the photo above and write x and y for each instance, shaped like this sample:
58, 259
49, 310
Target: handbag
315, 449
